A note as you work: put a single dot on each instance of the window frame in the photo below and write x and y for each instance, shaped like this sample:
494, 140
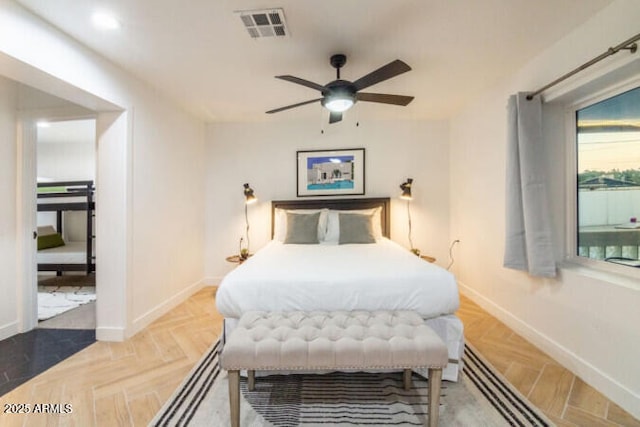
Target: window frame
571, 190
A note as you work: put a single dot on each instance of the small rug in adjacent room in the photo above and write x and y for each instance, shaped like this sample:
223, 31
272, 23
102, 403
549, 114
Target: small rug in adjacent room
57, 295
480, 398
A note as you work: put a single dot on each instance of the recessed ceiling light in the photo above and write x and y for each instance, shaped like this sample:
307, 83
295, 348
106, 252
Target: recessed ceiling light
43, 124
105, 21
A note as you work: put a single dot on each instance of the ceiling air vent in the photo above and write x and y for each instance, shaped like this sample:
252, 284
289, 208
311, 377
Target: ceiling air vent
264, 23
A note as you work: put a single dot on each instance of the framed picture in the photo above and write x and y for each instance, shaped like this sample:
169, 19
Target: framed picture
330, 172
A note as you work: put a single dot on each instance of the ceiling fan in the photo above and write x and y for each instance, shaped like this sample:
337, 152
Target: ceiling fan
340, 95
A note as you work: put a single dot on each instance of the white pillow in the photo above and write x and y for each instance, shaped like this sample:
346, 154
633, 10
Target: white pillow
280, 222
333, 223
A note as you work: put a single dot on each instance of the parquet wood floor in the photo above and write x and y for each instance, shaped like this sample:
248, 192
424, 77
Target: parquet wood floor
125, 384
563, 397
122, 384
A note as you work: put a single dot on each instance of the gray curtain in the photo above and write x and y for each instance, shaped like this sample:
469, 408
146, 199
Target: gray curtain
528, 244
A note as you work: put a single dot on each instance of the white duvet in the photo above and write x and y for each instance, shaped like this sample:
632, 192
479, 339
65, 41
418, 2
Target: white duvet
70, 253
376, 276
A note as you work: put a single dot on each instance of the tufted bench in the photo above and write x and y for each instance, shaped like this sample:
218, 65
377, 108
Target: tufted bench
337, 340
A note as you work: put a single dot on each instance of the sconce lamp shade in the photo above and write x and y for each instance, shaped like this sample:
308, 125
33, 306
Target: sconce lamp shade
249, 197
406, 189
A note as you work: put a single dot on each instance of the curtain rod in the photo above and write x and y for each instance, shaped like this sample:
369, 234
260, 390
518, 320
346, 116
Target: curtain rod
627, 45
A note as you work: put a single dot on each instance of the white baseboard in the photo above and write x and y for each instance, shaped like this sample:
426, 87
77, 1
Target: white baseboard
8, 330
608, 386
147, 318
110, 334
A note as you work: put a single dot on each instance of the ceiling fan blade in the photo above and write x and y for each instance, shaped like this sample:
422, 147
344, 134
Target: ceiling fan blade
302, 82
385, 72
299, 104
334, 117
384, 98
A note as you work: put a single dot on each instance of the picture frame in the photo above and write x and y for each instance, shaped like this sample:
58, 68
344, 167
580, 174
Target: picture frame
337, 172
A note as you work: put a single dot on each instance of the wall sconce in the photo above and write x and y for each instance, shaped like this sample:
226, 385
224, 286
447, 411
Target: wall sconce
406, 189
249, 198
406, 195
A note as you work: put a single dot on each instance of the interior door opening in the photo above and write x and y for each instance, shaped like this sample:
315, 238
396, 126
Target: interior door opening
66, 262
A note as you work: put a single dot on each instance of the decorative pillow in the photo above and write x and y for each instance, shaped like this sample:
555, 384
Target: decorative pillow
356, 228
302, 228
50, 241
333, 223
52, 190
280, 222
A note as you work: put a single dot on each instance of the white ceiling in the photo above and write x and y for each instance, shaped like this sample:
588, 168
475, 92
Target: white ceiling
199, 53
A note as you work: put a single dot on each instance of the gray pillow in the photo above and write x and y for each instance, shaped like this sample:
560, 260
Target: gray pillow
356, 228
302, 229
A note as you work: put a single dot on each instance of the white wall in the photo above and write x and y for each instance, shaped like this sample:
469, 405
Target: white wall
73, 160
8, 221
150, 173
264, 155
168, 206
586, 321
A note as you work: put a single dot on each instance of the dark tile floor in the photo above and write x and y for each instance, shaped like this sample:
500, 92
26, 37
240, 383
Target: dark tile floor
26, 355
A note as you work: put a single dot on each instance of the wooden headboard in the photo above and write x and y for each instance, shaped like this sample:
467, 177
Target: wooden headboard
338, 204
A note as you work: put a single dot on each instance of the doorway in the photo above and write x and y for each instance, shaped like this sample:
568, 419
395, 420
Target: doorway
34, 349
66, 262
39, 94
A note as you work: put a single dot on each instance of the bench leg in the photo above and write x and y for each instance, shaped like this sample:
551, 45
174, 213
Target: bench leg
407, 379
435, 379
234, 398
251, 380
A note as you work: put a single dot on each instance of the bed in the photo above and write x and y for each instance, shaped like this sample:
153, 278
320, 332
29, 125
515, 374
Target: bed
339, 275
56, 254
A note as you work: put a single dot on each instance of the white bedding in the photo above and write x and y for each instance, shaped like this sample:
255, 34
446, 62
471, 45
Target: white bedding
70, 253
382, 276
52, 200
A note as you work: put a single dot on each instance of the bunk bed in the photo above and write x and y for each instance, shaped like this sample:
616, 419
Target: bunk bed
61, 197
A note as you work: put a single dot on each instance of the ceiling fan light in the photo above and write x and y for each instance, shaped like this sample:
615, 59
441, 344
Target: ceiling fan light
339, 104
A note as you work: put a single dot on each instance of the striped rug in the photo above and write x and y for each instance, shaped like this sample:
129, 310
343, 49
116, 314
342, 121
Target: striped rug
480, 398
505, 399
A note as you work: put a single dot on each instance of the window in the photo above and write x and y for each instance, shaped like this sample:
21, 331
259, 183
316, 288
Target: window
608, 179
